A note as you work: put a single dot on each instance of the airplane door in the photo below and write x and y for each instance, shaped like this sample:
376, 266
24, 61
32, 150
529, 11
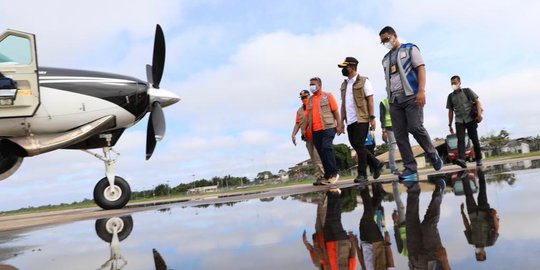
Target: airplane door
18, 63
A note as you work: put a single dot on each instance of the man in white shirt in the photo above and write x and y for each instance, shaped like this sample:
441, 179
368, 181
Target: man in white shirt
357, 112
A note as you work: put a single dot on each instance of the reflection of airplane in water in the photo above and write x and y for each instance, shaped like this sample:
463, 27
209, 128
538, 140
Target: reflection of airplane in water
44, 109
114, 230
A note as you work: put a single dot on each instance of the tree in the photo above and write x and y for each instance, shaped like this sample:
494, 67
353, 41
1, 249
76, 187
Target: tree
162, 190
344, 160
264, 175
382, 148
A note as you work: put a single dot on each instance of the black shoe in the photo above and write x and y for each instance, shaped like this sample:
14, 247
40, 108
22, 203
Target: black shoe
479, 163
318, 183
378, 170
440, 184
461, 163
361, 179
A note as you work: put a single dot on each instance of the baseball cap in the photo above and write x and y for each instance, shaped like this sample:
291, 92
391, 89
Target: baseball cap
348, 61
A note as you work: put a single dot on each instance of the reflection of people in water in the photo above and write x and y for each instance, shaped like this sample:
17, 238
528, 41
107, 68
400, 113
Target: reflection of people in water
332, 247
398, 217
424, 246
483, 229
374, 251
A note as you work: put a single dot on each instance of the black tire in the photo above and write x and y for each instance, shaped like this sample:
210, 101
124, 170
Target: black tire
105, 235
100, 198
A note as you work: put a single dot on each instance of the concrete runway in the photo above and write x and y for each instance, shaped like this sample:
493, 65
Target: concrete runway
17, 223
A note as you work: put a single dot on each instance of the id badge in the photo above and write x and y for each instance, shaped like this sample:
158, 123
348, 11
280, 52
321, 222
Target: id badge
393, 69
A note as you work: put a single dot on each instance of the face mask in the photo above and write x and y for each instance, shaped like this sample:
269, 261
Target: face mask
345, 72
313, 88
455, 86
390, 44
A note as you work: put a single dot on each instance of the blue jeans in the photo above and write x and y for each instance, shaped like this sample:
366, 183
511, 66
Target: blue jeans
324, 143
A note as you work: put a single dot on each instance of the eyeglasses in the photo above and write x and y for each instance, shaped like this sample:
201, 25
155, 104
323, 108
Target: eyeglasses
386, 39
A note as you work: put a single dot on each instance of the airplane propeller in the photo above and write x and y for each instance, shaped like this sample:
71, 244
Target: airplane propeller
156, 121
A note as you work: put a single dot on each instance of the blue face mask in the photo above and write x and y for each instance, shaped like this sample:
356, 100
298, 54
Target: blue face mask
313, 88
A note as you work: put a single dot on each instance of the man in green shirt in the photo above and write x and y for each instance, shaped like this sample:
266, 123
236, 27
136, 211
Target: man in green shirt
464, 103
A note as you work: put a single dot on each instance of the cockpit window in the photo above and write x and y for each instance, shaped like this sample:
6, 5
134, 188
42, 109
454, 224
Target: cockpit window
15, 50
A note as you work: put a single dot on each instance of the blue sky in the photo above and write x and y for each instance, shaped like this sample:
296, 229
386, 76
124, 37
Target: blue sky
239, 65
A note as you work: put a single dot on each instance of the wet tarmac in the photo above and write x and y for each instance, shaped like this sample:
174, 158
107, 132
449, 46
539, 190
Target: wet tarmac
264, 230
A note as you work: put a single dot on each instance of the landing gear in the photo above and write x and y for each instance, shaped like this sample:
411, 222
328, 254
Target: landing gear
107, 227
111, 192
113, 230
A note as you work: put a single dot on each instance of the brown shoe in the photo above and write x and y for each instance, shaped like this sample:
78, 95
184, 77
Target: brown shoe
332, 180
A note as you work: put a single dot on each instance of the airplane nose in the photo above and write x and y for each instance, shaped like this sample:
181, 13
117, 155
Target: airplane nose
164, 97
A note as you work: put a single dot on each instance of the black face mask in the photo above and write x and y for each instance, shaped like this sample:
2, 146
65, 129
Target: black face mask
345, 72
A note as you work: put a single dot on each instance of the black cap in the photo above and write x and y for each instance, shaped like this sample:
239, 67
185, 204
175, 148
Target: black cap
348, 61
304, 93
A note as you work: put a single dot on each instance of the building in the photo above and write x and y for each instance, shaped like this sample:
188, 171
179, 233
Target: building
419, 155
517, 146
204, 189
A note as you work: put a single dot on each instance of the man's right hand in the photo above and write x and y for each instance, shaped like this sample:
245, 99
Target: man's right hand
384, 136
451, 129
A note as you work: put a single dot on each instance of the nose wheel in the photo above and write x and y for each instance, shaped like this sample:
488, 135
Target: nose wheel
111, 192
112, 197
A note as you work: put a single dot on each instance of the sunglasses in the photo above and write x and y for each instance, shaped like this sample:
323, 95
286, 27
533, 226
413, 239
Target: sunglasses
304, 97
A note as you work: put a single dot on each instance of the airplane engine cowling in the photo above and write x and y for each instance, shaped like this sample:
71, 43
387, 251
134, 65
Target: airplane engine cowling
9, 164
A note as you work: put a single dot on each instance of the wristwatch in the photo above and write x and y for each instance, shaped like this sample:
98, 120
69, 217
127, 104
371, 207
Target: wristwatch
371, 117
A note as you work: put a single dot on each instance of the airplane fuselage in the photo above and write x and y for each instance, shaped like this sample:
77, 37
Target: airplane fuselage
71, 98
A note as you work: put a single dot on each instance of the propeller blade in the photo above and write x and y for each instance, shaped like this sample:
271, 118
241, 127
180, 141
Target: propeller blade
158, 60
158, 121
155, 131
150, 139
149, 76
158, 260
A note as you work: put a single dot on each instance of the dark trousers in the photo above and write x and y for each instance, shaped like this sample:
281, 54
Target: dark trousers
423, 239
369, 232
333, 229
357, 138
471, 128
482, 200
407, 118
324, 143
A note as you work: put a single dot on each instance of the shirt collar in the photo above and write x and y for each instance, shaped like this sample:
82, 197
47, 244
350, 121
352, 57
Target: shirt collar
352, 80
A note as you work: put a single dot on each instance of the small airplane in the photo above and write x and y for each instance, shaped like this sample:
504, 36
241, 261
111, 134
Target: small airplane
43, 109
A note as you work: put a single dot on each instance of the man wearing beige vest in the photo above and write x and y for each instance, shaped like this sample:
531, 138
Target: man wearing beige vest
357, 112
301, 124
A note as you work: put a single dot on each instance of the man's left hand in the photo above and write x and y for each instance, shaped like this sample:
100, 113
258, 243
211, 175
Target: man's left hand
421, 99
479, 118
373, 124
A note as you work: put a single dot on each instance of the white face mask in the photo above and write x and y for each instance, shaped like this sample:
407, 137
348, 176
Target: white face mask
313, 88
455, 86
